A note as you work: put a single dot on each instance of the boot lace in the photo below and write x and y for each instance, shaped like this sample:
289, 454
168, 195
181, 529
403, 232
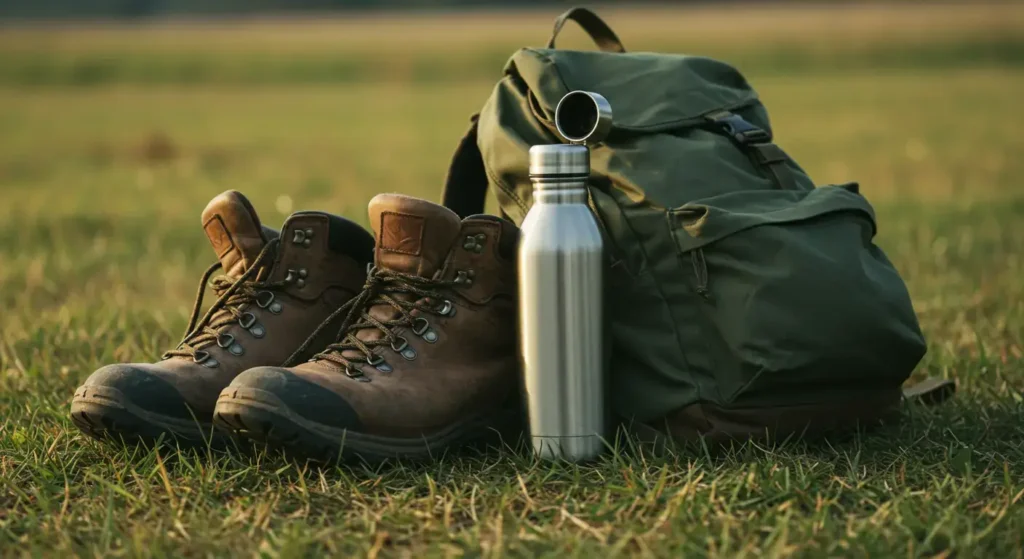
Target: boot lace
234, 295
403, 293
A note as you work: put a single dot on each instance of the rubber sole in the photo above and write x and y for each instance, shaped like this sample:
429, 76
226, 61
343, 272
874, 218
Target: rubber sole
261, 416
106, 414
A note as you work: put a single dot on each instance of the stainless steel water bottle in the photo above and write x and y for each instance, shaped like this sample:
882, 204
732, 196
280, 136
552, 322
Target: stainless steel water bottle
560, 289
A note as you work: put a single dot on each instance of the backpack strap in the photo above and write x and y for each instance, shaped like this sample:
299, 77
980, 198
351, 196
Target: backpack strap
465, 187
598, 30
757, 143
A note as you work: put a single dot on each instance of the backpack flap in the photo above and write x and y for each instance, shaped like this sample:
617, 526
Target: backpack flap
709, 220
794, 303
648, 92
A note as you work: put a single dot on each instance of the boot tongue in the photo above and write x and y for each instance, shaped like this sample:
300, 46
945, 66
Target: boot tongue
235, 232
412, 236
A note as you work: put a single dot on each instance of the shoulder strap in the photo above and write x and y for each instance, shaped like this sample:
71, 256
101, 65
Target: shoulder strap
598, 30
465, 187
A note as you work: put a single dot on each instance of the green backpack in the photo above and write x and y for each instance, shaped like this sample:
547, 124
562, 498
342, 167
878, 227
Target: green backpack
743, 300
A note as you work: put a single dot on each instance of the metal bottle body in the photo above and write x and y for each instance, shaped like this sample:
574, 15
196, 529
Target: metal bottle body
561, 320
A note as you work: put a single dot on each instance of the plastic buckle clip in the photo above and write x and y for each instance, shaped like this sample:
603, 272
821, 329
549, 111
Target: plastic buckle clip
743, 132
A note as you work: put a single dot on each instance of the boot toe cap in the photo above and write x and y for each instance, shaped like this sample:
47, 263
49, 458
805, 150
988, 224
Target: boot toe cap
302, 396
138, 384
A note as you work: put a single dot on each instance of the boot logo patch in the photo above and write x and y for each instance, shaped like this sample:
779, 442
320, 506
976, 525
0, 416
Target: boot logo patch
219, 236
401, 233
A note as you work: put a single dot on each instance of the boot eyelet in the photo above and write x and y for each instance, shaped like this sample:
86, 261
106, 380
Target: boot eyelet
474, 243
447, 308
355, 374
204, 358
264, 299
408, 353
236, 349
377, 362
224, 341
257, 331
398, 347
298, 277
247, 320
302, 237
419, 325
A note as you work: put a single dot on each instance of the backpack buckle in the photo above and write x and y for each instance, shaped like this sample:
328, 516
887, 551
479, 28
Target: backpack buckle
740, 130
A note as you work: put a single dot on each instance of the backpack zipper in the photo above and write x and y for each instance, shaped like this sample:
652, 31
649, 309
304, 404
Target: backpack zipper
700, 270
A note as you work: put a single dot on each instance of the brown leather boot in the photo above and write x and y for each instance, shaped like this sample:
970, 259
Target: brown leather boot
427, 359
274, 292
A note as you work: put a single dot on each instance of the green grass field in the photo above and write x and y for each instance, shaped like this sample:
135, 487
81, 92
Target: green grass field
112, 140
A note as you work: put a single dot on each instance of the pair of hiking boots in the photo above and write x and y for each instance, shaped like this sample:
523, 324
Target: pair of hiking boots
332, 343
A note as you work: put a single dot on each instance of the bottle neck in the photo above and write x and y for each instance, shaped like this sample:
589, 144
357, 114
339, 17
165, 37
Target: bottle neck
549, 190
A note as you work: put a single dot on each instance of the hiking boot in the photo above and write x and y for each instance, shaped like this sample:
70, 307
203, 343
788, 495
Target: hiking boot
427, 358
273, 293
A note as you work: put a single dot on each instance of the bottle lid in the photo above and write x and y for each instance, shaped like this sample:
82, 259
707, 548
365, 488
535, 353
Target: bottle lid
584, 116
559, 161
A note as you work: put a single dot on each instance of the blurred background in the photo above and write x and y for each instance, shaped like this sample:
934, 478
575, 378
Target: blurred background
120, 119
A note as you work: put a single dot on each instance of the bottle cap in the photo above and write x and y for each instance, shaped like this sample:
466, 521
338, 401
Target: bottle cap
559, 161
583, 116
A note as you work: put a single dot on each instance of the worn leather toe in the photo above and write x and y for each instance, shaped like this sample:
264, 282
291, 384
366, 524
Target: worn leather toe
142, 387
304, 398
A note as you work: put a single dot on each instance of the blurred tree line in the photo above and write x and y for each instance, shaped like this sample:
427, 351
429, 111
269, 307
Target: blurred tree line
147, 8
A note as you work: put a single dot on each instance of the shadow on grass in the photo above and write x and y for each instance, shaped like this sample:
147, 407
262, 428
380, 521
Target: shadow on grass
958, 439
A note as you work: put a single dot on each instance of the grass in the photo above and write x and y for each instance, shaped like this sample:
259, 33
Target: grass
100, 248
